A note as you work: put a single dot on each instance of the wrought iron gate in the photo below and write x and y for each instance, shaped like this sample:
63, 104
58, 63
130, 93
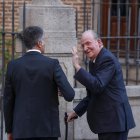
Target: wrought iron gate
118, 24
7, 35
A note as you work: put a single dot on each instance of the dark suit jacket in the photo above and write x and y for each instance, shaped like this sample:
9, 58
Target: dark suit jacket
31, 96
106, 103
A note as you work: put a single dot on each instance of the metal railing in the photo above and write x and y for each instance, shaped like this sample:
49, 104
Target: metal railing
11, 35
118, 24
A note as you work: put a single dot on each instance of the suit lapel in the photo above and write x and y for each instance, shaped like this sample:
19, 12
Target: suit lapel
92, 65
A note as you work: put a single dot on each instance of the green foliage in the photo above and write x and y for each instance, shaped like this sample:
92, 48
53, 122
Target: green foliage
8, 44
7, 53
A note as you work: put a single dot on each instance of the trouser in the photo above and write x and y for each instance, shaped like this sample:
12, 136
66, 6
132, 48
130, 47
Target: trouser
46, 138
113, 136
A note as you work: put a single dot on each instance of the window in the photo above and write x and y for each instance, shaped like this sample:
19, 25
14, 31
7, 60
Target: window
115, 7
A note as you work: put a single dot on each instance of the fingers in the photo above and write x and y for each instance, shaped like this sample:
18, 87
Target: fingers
70, 119
59, 93
75, 59
71, 116
74, 50
75, 54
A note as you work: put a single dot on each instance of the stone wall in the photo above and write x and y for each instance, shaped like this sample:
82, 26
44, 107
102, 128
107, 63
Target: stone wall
78, 4
58, 23
8, 13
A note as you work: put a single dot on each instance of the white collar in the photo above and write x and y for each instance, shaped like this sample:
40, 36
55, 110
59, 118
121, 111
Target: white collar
34, 50
94, 60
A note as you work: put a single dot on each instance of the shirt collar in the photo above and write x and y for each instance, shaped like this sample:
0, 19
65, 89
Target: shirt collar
97, 55
94, 60
35, 50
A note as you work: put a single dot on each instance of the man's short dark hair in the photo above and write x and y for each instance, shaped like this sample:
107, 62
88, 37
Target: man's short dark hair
30, 36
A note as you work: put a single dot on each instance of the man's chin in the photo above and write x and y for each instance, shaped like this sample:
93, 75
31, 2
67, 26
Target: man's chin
91, 58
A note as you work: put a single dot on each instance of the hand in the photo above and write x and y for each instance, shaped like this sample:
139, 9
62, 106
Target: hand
9, 136
59, 93
71, 116
75, 59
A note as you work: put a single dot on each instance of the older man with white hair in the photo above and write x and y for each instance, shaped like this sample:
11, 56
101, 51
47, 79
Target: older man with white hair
108, 111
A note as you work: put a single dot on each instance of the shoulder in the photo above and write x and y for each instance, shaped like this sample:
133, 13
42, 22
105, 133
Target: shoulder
15, 61
106, 59
108, 55
111, 59
104, 55
52, 60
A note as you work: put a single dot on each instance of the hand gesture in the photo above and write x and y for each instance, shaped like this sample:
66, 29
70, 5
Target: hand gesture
59, 93
75, 58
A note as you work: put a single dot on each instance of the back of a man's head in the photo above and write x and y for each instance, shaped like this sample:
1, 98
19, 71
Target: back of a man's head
30, 36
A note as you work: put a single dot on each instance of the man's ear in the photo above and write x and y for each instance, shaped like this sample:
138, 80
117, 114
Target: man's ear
38, 44
100, 42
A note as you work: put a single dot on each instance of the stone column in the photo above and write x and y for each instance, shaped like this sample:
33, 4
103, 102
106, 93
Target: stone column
58, 23
96, 13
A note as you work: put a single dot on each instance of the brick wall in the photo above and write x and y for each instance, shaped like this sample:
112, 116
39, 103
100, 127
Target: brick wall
8, 13
78, 4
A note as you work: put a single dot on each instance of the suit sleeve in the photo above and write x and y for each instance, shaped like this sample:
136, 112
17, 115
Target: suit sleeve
98, 81
81, 108
62, 83
9, 99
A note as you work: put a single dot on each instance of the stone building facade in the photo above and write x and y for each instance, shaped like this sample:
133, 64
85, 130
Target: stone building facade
78, 4
78, 130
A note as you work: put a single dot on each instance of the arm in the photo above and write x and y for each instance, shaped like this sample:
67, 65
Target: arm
80, 109
9, 100
103, 75
62, 83
97, 82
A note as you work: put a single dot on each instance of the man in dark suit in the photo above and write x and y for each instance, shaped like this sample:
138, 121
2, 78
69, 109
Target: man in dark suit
31, 91
108, 111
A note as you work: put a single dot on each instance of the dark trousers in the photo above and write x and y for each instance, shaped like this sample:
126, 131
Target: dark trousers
47, 138
113, 136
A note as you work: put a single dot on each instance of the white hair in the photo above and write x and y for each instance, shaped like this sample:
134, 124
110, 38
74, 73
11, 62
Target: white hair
93, 32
